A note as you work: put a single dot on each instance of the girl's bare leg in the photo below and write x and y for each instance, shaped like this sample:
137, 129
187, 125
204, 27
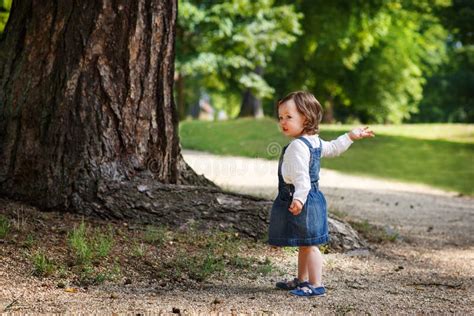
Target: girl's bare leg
314, 264
302, 265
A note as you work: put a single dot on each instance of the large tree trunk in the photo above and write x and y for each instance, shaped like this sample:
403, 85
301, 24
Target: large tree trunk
86, 96
88, 122
87, 118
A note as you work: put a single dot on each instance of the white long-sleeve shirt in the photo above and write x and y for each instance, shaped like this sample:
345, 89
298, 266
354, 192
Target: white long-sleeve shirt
295, 165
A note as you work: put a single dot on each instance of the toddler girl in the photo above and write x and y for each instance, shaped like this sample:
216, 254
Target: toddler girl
299, 214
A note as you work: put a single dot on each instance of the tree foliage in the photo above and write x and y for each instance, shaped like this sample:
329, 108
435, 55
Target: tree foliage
458, 18
388, 83
5, 6
366, 60
449, 92
220, 43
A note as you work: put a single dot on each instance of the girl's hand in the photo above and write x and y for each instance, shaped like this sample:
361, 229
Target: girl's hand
296, 207
359, 133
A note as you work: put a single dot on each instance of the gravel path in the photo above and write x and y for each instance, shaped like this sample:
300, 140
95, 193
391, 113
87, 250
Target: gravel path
416, 211
429, 271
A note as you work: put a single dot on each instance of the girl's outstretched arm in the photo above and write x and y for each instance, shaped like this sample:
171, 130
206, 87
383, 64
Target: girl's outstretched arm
361, 132
338, 146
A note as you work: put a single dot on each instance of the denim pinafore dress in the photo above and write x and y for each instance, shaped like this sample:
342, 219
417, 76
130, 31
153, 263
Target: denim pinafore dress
308, 228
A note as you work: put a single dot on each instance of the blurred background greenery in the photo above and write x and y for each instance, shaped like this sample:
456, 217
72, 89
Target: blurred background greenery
384, 61
396, 63
440, 155
368, 61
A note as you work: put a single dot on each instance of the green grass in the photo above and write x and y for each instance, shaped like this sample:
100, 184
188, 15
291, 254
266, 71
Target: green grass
155, 235
201, 255
440, 155
88, 246
4, 226
245, 137
139, 249
42, 265
103, 243
90, 249
29, 241
462, 133
80, 245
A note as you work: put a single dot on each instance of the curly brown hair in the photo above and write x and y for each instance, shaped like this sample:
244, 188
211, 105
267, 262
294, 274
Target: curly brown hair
307, 104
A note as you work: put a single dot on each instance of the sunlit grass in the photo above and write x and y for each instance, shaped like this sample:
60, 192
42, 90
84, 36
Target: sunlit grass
463, 133
440, 155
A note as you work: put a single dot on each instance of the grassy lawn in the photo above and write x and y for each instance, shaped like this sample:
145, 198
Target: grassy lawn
461, 133
441, 155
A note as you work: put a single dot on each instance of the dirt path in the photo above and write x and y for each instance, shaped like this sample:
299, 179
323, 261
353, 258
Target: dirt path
417, 211
429, 271
435, 256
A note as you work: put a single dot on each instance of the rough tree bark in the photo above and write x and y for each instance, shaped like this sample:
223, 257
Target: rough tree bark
86, 98
87, 119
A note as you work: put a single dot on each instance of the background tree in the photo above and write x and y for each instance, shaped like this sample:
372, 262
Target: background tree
367, 63
225, 45
449, 92
387, 84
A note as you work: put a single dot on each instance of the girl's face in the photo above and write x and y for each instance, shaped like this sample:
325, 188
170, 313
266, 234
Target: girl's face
291, 121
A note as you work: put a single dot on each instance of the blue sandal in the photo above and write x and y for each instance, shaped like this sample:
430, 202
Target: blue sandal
288, 285
306, 289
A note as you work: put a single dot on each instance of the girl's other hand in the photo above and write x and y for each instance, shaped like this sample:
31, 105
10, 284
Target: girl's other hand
296, 207
361, 132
